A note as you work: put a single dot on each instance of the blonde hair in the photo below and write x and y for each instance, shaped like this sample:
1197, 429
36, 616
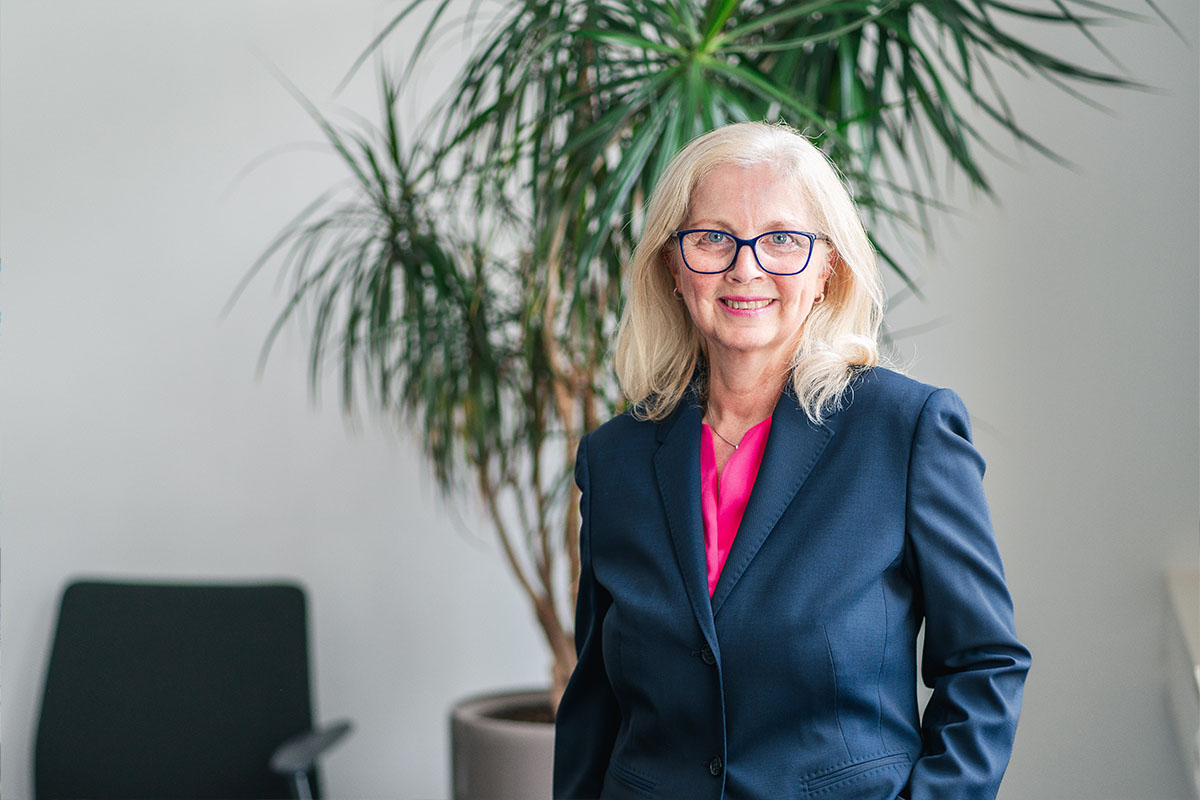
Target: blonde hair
659, 349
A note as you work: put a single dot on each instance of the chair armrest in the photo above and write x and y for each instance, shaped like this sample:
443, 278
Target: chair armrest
298, 754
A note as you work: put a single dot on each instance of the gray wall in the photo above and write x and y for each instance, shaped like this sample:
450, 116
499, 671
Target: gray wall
136, 440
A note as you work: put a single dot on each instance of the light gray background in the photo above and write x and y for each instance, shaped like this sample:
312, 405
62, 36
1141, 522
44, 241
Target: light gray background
136, 440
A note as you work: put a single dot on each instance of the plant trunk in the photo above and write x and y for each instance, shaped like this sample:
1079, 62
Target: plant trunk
562, 649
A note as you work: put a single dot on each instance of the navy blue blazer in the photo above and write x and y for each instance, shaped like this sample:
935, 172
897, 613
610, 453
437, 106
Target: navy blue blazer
798, 678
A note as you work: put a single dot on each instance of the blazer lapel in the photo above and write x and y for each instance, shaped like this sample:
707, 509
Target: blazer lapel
677, 464
793, 446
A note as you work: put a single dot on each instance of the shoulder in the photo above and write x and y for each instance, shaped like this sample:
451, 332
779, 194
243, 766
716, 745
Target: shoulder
616, 460
621, 429
887, 396
622, 436
879, 385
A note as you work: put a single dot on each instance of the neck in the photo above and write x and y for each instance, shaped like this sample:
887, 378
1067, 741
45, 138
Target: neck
741, 395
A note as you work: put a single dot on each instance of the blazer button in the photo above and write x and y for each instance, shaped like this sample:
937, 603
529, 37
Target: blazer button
715, 765
706, 655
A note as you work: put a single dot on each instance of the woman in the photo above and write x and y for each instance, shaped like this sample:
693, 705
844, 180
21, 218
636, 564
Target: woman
764, 534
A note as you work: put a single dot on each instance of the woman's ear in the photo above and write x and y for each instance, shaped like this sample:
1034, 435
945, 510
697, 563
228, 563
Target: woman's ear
827, 273
830, 264
667, 254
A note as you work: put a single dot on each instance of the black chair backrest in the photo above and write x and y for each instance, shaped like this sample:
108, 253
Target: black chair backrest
174, 692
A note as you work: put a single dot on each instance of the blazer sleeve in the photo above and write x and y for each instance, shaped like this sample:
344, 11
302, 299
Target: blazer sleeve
971, 659
588, 716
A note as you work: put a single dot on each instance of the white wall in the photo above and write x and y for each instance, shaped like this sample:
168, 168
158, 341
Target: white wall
1072, 335
136, 440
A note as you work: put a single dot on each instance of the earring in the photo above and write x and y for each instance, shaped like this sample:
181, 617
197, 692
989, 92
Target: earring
820, 297
675, 292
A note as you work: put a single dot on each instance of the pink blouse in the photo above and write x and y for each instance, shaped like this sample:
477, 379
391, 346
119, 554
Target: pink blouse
722, 502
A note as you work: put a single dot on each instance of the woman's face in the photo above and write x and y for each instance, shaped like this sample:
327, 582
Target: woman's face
745, 313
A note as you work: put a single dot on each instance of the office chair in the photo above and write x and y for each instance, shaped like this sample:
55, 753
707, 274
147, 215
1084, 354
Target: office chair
178, 692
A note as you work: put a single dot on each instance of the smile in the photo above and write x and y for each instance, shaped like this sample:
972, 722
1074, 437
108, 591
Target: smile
746, 305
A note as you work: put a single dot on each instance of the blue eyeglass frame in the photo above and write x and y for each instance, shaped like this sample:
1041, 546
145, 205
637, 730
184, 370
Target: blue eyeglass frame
752, 243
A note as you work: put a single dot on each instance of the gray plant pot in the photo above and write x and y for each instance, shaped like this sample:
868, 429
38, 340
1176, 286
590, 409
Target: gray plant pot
500, 759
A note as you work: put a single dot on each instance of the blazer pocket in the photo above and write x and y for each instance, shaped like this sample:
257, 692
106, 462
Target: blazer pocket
631, 779
839, 775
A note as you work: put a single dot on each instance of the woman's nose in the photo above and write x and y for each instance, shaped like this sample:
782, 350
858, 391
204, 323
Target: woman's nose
745, 266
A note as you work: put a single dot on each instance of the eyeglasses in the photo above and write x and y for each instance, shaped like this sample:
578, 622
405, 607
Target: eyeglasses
710, 252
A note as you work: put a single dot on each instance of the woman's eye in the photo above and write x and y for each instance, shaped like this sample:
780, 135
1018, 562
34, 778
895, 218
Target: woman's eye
779, 237
714, 237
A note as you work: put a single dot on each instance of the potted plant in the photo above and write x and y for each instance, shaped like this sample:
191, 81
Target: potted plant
467, 279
